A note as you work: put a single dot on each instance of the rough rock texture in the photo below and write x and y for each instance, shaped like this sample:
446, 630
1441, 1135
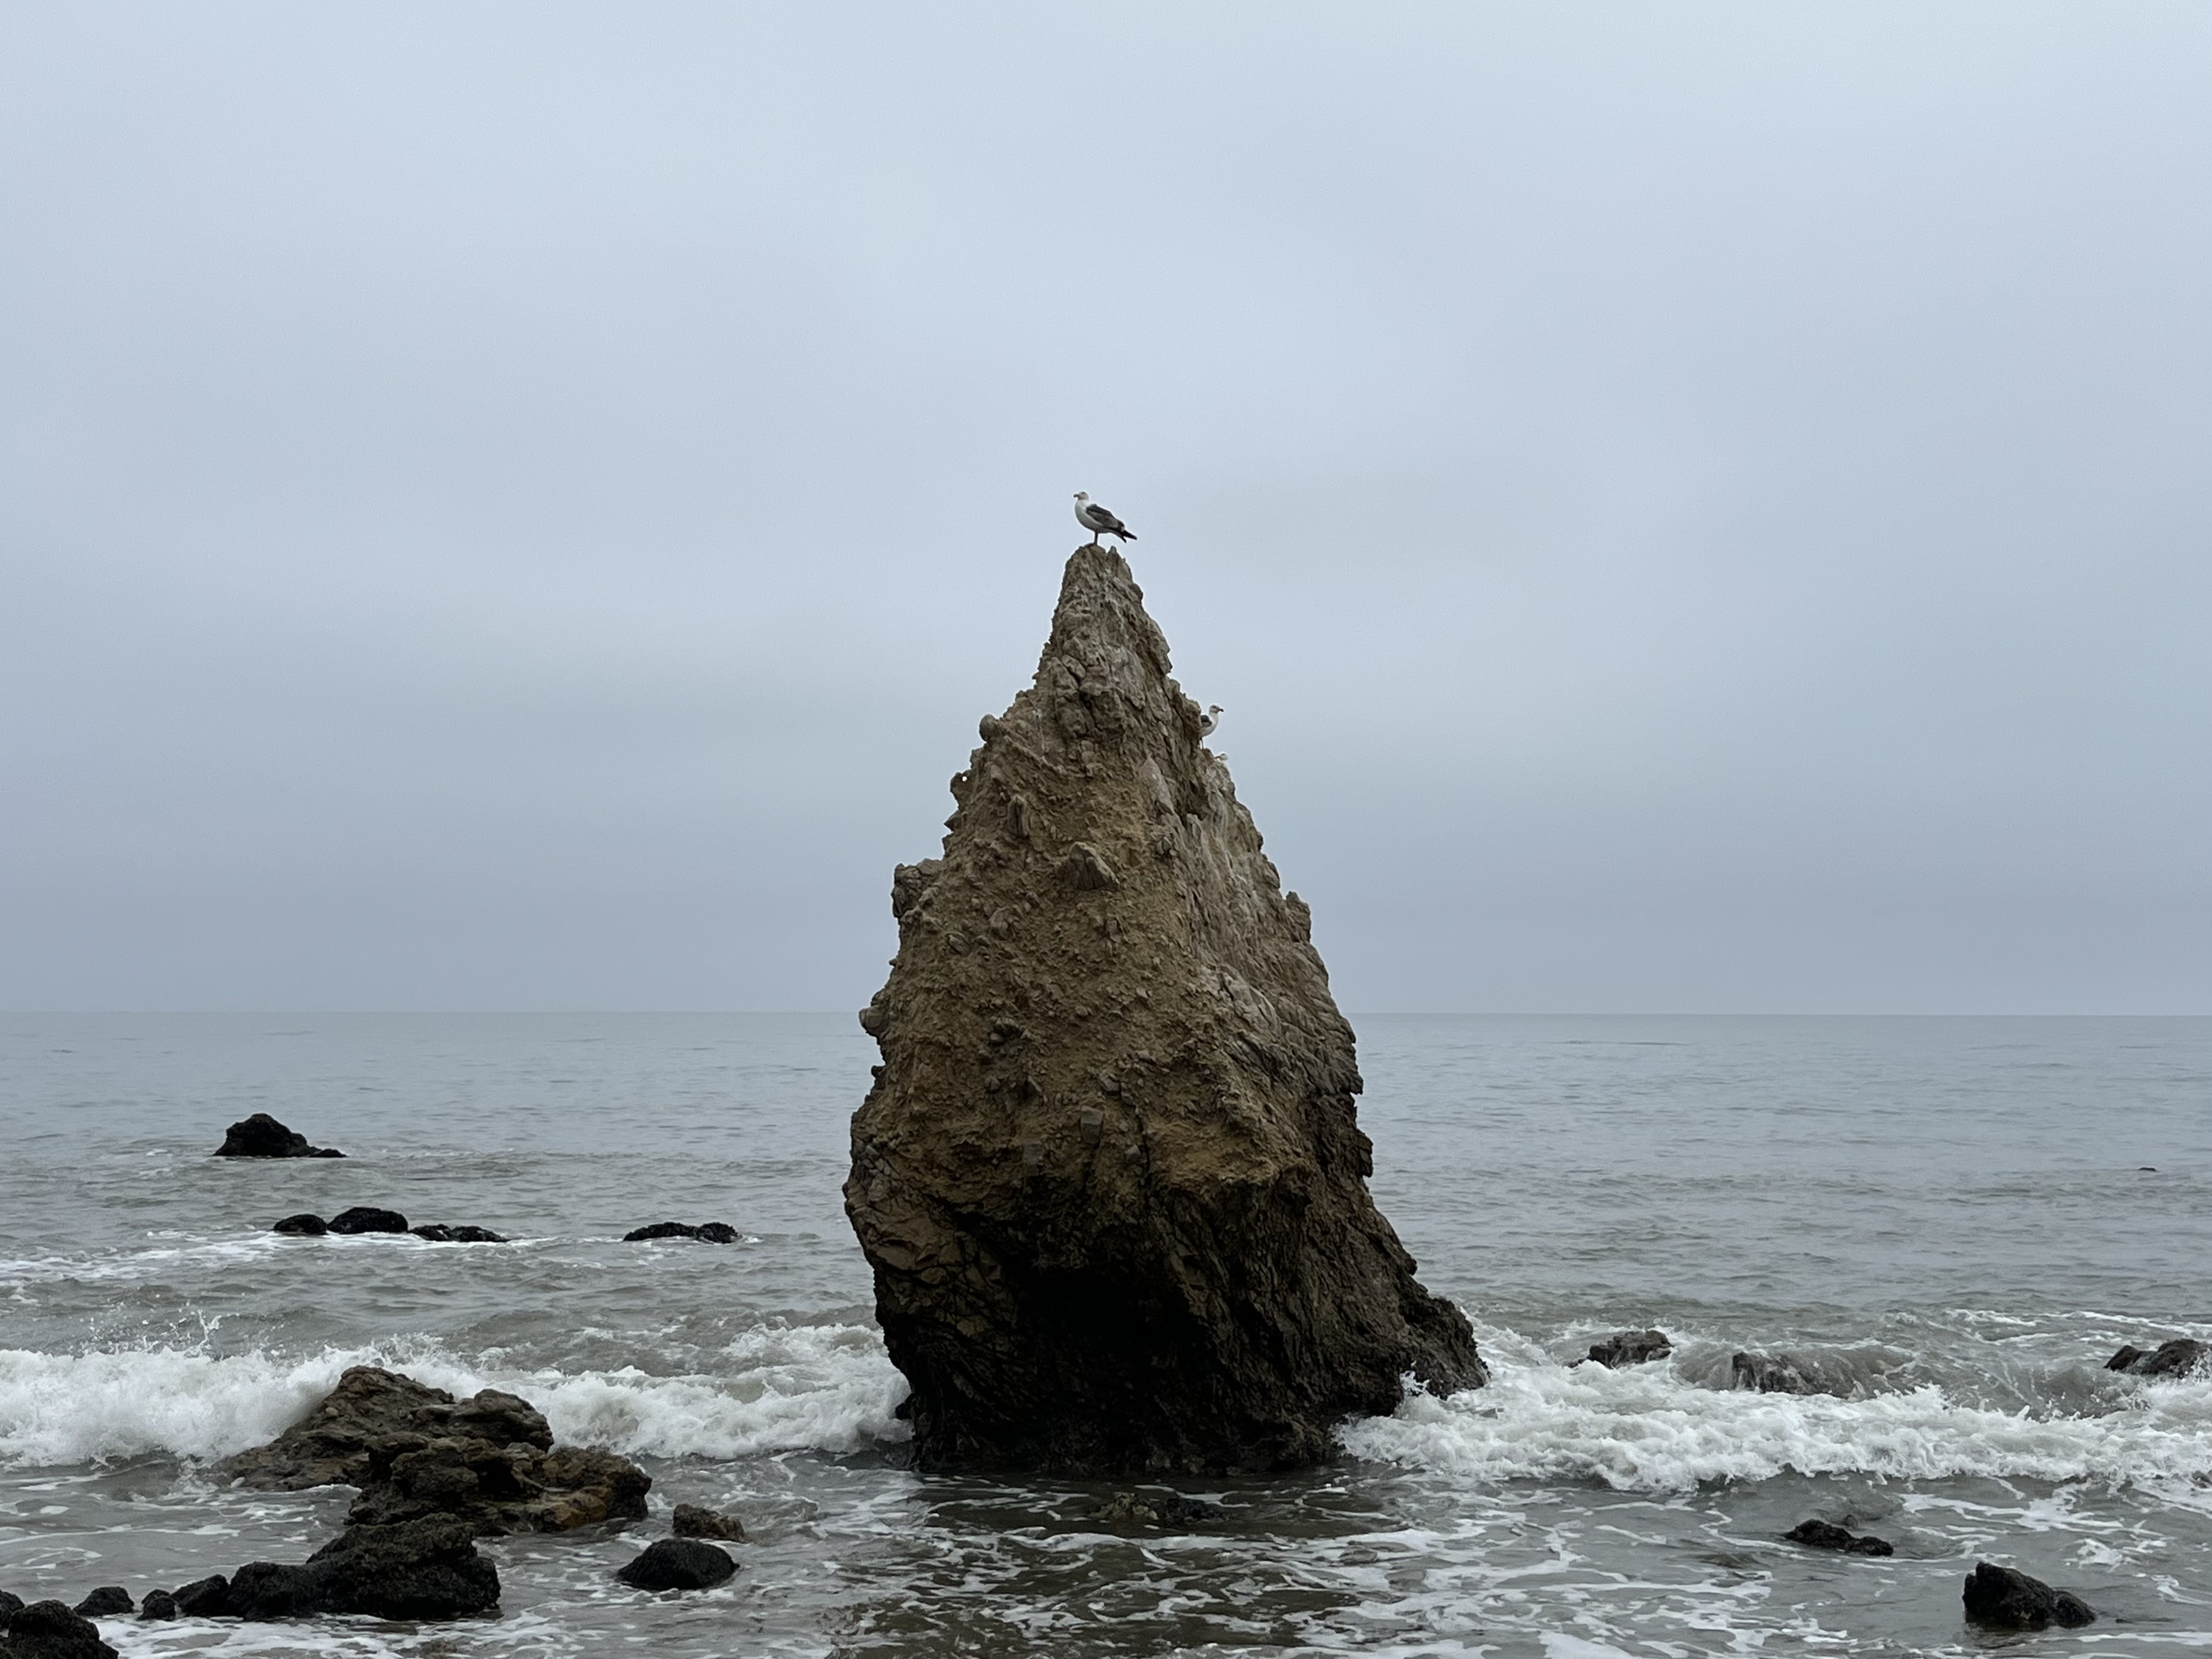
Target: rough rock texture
1631, 1348
367, 1218
681, 1563
263, 1136
417, 1570
1772, 1373
2005, 1599
2176, 1358
418, 1453
10, 1605
438, 1233
1109, 1177
303, 1225
107, 1602
1827, 1536
159, 1605
50, 1630
203, 1598
692, 1520
712, 1232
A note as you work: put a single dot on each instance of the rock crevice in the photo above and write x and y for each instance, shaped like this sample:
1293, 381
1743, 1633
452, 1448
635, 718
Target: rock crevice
1110, 1176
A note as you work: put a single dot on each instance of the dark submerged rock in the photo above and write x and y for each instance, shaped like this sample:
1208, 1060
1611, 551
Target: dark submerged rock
438, 1233
712, 1232
53, 1630
1115, 1115
367, 1218
1825, 1535
2003, 1599
263, 1136
1131, 1508
678, 1563
203, 1598
2176, 1358
158, 1605
416, 1570
108, 1602
1770, 1373
303, 1224
1631, 1348
693, 1521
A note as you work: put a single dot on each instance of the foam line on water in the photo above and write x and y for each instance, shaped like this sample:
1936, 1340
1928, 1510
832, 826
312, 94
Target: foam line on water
819, 1387
1646, 1430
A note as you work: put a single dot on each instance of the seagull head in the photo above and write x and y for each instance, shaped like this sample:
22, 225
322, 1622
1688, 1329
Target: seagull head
1082, 495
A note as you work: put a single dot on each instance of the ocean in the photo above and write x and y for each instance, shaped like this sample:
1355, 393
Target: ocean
1954, 1222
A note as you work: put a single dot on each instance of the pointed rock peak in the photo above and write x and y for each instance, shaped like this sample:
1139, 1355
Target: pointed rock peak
1110, 1176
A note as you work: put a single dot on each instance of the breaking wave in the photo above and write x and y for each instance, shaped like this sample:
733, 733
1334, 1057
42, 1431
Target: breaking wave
823, 1388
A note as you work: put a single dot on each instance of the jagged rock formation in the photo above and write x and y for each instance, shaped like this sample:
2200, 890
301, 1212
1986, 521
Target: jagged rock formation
1109, 1177
419, 1454
263, 1136
2004, 1598
2176, 1358
1624, 1348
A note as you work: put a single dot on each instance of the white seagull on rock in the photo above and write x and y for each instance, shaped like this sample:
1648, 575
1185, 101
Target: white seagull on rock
1209, 719
1098, 522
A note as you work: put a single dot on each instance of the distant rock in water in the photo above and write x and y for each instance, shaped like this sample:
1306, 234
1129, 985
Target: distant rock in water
303, 1225
712, 1232
693, 1521
108, 1602
678, 1564
438, 1233
159, 1605
263, 1136
416, 1570
1772, 1373
1827, 1536
418, 1454
203, 1598
2002, 1599
365, 1219
1631, 1348
52, 1630
1110, 1177
2176, 1358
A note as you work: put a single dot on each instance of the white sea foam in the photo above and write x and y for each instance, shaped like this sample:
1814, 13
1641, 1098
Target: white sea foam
824, 1388
1644, 1429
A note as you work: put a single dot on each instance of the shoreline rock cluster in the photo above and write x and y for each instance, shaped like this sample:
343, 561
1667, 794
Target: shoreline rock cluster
1110, 1177
435, 1474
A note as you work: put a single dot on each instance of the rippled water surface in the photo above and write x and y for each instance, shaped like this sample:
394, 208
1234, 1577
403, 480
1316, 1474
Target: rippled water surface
1948, 1221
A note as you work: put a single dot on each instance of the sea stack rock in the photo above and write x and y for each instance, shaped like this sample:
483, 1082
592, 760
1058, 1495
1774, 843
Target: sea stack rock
1110, 1177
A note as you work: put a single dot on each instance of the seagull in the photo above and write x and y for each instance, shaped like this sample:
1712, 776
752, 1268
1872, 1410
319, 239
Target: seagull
1209, 719
1098, 522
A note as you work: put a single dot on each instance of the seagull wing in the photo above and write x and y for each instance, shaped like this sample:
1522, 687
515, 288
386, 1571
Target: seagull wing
1105, 521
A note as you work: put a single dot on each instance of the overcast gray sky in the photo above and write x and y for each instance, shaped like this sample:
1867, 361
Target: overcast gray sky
1688, 507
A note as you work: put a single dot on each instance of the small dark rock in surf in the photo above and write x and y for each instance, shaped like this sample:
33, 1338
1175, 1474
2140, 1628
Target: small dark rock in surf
1769, 1373
1825, 1535
1631, 1348
2176, 1358
695, 1521
50, 1630
366, 1219
302, 1225
438, 1233
681, 1563
427, 1569
713, 1233
158, 1604
107, 1602
10, 1605
263, 1136
2005, 1599
203, 1598
1136, 1509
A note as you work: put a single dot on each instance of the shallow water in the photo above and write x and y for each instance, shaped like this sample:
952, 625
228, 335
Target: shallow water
1948, 1218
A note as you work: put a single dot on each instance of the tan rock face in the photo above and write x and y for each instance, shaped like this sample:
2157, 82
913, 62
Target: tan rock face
1110, 1176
